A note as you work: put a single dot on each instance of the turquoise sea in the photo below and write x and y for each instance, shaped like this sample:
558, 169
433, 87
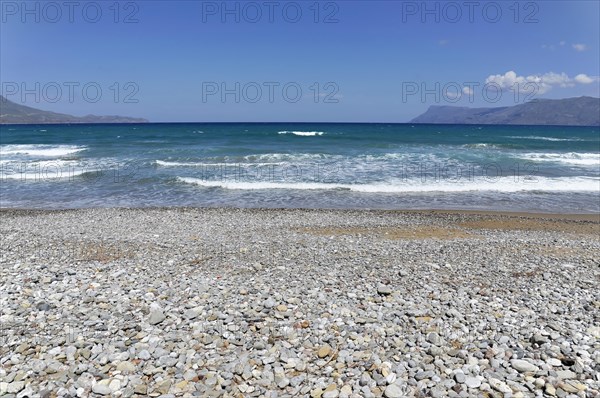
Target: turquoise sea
300, 165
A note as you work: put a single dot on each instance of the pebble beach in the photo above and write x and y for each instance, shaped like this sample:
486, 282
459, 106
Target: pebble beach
184, 302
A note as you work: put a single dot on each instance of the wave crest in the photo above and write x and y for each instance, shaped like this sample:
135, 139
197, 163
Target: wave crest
502, 184
303, 133
535, 137
42, 150
573, 158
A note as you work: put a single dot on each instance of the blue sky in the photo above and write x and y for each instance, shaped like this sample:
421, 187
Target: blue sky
353, 61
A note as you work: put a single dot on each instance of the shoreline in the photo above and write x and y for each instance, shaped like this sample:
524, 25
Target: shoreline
500, 213
215, 302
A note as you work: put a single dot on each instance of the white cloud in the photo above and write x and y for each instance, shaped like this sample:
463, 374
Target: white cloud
584, 79
467, 90
562, 43
554, 79
539, 84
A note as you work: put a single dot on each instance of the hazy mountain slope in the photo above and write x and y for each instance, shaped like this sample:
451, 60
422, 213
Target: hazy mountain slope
582, 111
11, 112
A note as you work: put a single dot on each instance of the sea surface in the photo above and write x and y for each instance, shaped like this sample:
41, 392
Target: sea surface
298, 165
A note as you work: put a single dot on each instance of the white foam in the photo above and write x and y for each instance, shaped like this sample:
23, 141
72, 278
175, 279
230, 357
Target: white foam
303, 133
487, 145
291, 157
535, 137
583, 159
181, 164
223, 164
502, 184
40, 150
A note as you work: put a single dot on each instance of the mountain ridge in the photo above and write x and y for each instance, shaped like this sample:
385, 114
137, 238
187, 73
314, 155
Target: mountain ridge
578, 111
13, 113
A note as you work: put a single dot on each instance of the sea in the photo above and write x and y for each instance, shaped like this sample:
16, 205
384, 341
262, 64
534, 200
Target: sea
301, 165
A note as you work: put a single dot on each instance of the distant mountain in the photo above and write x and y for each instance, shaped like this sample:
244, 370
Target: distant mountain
13, 113
581, 111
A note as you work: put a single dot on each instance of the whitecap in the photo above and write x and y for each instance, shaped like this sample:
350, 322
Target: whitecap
303, 133
43, 150
501, 184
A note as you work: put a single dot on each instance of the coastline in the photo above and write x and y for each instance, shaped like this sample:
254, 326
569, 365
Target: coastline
566, 216
464, 219
291, 302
